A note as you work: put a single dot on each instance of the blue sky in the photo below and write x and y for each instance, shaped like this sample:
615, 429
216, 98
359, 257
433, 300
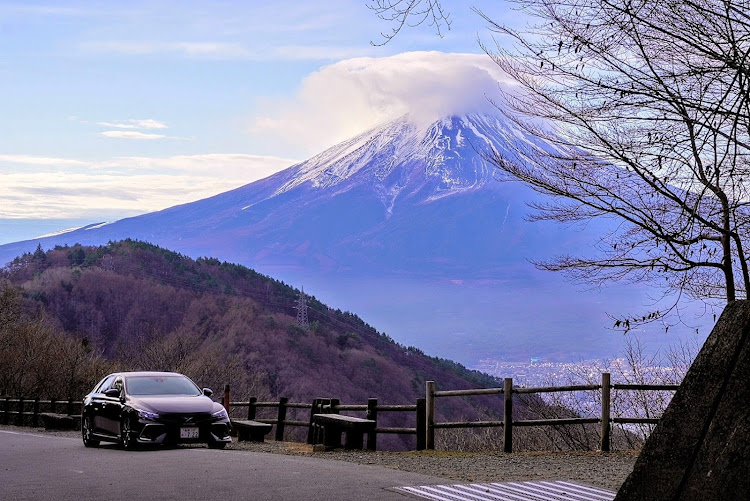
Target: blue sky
112, 109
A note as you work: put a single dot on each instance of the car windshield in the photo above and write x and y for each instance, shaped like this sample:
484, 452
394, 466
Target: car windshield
161, 385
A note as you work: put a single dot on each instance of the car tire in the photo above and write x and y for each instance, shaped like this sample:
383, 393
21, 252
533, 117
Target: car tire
86, 432
127, 440
213, 444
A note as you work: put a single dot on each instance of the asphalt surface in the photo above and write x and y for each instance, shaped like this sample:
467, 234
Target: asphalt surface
44, 467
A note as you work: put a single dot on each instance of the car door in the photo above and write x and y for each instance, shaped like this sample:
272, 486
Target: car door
98, 404
112, 409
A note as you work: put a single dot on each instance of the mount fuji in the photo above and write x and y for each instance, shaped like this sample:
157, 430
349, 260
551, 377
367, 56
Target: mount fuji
407, 226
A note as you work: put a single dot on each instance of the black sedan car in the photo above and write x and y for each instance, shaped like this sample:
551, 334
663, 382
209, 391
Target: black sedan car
135, 408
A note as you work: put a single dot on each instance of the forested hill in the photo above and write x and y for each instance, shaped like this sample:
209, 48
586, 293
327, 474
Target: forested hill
137, 306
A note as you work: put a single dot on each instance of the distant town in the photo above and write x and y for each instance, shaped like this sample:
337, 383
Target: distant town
536, 372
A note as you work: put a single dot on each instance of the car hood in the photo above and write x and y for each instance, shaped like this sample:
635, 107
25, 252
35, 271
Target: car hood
175, 404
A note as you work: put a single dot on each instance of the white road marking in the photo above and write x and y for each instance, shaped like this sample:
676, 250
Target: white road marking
511, 491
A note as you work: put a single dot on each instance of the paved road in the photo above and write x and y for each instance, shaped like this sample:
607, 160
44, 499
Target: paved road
43, 467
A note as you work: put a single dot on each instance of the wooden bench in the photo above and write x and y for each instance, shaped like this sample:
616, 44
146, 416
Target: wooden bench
252, 431
55, 421
329, 427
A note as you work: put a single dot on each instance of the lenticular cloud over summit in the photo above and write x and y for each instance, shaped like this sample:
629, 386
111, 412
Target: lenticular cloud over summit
351, 96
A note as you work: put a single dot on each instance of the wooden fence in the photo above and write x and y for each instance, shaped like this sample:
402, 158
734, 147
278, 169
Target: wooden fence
22, 411
508, 423
372, 411
26, 412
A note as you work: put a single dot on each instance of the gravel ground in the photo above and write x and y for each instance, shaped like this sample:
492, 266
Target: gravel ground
593, 468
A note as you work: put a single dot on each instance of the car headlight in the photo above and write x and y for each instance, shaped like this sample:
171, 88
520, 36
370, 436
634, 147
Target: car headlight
221, 414
147, 414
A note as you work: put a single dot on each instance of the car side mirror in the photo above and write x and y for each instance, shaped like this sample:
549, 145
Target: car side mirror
208, 392
112, 393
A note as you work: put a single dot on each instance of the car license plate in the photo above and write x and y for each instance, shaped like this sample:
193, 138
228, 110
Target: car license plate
189, 432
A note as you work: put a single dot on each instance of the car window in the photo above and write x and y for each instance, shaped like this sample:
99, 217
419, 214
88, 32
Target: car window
105, 384
161, 385
118, 384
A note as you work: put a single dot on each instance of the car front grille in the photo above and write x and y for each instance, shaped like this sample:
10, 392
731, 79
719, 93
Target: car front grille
186, 419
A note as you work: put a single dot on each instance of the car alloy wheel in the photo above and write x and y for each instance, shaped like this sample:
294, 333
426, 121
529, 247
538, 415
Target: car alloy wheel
86, 431
126, 434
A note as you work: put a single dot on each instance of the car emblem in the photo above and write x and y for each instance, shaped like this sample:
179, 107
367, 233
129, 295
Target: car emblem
188, 420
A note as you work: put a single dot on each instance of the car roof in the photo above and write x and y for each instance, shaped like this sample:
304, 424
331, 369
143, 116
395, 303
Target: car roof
146, 373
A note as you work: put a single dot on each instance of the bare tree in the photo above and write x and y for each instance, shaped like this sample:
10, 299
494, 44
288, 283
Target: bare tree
643, 111
410, 13
38, 360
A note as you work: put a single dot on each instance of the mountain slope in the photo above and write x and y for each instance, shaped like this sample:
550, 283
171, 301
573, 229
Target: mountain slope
397, 199
414, 210
148, 308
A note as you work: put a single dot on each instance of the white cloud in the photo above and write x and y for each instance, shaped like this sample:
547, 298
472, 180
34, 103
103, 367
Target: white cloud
134, 124
126, 134
212, 49
229, 166
209, 50
32, 160
349, 97
230, 51
125, 186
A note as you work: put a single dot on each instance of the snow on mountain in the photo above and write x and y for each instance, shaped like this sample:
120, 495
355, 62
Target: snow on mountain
444, 154
410, 209
399, 198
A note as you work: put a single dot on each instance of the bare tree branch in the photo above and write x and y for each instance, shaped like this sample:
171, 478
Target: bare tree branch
646, 112
410, 13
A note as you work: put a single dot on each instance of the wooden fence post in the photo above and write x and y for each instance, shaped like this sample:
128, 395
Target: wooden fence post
508, 415
421, 423
372, 414
35, 413
227, 396
19, 419
606, 398
334, 402
311, 435
280, 419
70, 406
430, 418
6, 415
251, 408
53, 405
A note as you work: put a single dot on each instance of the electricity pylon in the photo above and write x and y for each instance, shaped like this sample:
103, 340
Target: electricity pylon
302, 320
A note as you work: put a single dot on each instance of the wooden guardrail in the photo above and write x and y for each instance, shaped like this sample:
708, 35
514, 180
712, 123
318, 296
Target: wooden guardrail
372, 411
25, 411
508, 423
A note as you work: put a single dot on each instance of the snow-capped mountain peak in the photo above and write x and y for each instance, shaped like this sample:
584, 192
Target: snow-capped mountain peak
405, 158
367, 198
402, 215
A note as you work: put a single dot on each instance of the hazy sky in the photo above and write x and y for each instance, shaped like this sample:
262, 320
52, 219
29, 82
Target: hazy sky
111, 109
